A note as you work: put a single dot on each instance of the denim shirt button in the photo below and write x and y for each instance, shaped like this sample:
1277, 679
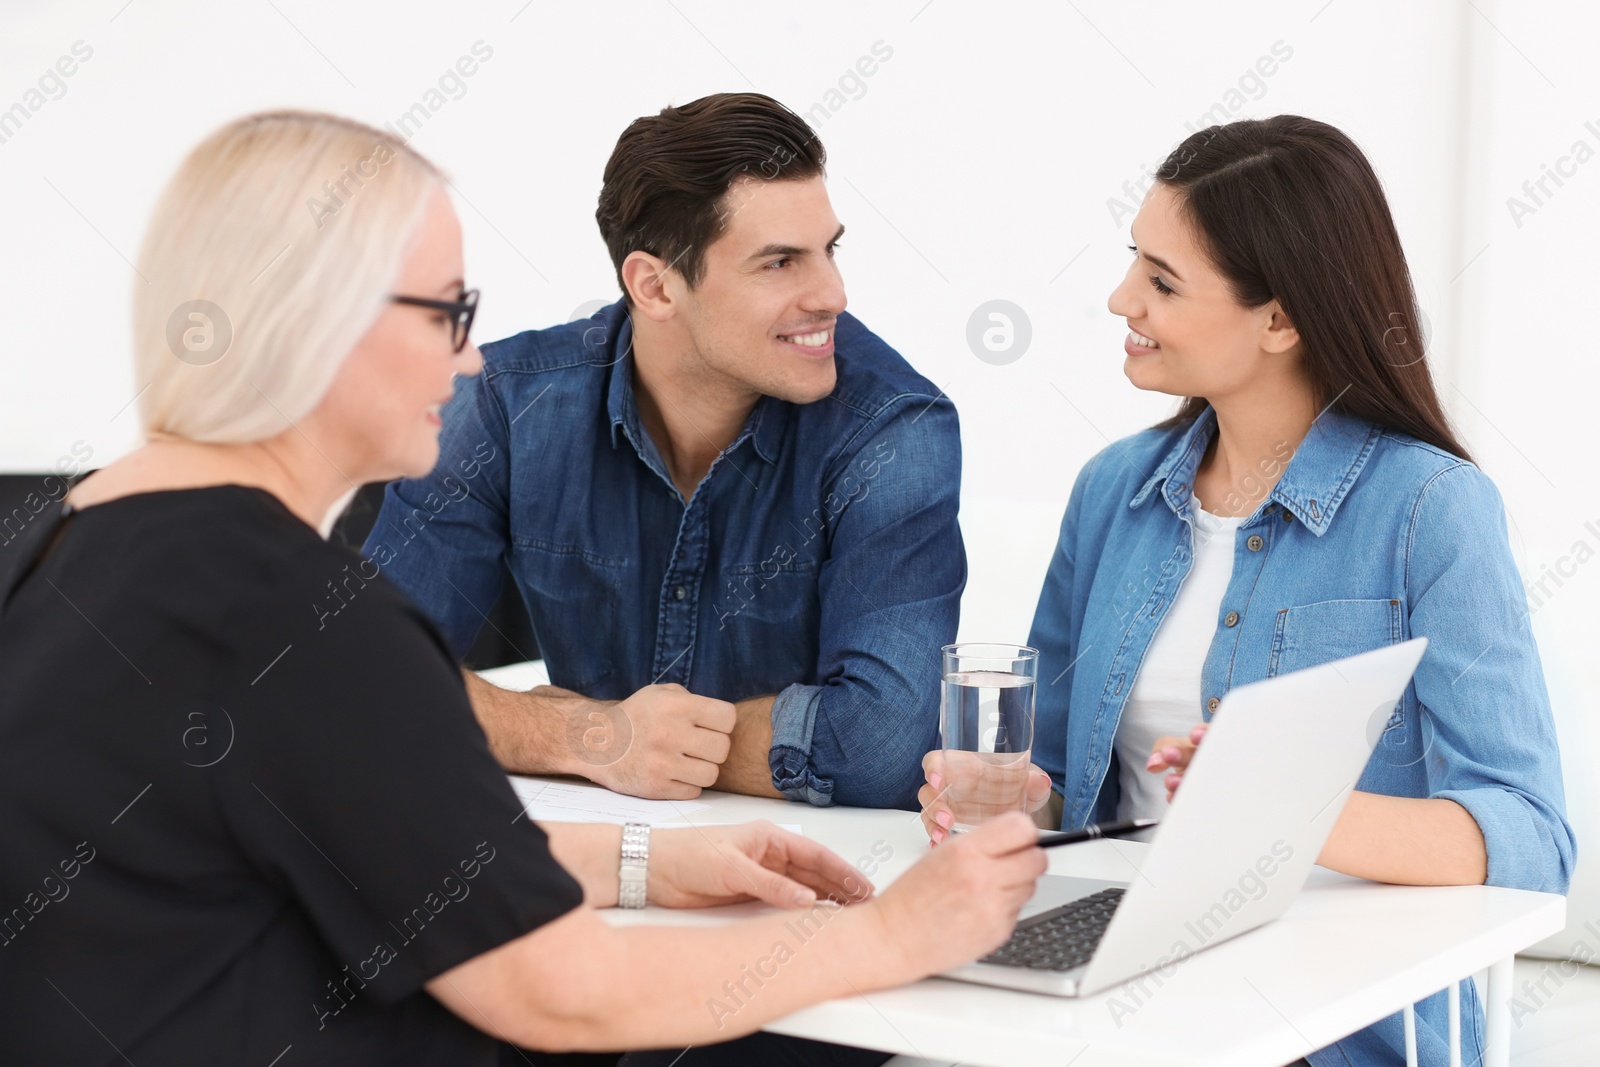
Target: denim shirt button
1212, 704
679, 593
1232, 619
1255, 543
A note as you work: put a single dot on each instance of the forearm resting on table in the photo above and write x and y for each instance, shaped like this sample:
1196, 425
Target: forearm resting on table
746, 769
527, 732
1407, 841
579, 984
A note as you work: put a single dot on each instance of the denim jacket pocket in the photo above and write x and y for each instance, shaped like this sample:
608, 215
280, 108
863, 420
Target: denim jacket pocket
769, 592
1313, 634
769, 616
572, 594
1309, 635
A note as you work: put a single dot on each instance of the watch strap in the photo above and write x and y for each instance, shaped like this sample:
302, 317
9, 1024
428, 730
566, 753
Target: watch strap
634, 870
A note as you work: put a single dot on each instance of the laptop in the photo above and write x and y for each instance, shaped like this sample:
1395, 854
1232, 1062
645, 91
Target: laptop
1237, 843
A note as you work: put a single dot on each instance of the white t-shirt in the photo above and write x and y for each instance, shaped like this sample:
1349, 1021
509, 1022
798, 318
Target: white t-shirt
1165, 701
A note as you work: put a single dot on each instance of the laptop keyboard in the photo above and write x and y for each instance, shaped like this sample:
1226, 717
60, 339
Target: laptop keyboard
1061, 938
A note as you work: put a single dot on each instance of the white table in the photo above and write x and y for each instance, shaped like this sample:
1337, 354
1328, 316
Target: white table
1346, 954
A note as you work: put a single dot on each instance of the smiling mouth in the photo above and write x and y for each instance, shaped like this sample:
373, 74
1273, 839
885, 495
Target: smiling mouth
1141, 340
815, 339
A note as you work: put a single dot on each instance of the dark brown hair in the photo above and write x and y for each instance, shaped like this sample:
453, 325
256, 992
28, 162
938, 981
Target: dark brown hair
1288, 208
665, 181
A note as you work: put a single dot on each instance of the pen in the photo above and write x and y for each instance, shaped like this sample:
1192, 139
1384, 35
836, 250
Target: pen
1091, 833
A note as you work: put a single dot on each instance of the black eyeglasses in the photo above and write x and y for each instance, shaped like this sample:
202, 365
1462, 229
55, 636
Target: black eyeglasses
461, 312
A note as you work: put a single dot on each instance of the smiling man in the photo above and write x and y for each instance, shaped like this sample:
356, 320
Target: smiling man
729, 506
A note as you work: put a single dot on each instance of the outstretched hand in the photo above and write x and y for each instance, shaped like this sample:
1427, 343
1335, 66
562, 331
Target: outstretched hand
700, 867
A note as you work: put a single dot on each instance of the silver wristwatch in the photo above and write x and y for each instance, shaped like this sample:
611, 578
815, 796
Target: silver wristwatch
635, 868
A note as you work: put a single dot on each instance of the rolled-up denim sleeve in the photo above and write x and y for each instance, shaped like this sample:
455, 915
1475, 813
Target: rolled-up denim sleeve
1489, 735
442, 538
890, 591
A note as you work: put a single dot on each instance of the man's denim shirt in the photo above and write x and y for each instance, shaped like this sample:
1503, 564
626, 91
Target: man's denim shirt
1369, 538
819, 560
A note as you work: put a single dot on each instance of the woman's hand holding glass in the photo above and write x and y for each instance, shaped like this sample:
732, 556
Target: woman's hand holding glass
977, 783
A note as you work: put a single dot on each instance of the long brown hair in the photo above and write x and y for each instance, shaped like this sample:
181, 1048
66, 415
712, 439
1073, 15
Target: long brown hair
1288, 208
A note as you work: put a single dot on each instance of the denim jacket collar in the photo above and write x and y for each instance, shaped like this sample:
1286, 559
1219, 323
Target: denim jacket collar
1319, 474
765, 425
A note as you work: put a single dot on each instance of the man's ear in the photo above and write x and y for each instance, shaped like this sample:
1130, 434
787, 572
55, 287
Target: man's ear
1279, 334
645, 277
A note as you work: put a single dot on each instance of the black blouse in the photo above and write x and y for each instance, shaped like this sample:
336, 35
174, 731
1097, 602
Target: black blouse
245, 808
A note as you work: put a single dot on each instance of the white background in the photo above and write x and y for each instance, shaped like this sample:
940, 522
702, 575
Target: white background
976, 163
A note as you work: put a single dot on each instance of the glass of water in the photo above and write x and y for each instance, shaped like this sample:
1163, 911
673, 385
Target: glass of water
986, 729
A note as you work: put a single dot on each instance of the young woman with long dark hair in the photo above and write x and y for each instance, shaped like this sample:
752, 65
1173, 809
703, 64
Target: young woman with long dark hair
1308, 501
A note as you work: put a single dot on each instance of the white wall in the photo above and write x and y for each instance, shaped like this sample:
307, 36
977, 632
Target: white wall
1526, 386
975, 163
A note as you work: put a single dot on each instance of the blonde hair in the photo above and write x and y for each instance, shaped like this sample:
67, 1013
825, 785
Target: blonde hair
271, 252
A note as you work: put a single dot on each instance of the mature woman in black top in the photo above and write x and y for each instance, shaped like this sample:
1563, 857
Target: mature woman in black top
239, 827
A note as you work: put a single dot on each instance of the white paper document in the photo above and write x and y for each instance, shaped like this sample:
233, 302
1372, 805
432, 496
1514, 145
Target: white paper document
577, 802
